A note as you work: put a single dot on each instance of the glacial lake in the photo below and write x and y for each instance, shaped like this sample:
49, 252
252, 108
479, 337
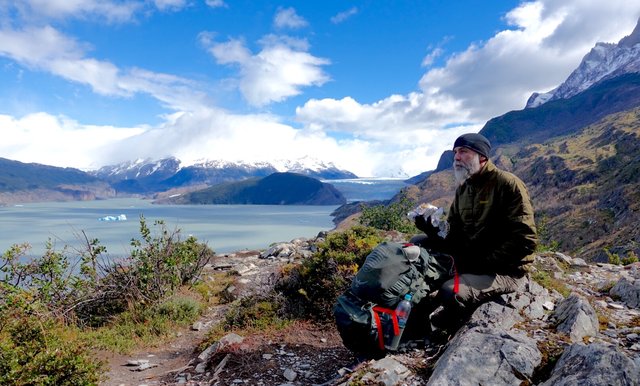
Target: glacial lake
225, 228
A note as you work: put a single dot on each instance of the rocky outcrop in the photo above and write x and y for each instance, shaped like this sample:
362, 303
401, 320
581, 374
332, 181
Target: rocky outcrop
538, 337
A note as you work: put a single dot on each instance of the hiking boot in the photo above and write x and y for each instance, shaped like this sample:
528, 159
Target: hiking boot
447, 320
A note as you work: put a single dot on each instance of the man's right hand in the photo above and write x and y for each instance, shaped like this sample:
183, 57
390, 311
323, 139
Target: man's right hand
425, 225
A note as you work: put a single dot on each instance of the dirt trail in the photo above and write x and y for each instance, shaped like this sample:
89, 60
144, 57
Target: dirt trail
170, 357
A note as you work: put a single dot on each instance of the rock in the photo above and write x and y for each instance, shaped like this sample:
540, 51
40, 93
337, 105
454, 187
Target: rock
628, 291
593, 365
576, 317
494, 315
387, 371
225, 341
482, 356
290, 375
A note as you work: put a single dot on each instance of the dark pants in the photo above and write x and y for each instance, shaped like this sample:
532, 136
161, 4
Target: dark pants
472, 291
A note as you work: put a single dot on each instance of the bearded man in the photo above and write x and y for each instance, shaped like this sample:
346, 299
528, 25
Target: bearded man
492, 232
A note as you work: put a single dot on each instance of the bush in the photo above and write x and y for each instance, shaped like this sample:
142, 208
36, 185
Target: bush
311, 288
44, 300
389, 217
43, 351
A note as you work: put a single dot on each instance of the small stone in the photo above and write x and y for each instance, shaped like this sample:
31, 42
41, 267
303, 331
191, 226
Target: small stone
290, 375
137, 362
197, 326
267, 356
616, 306
549, 305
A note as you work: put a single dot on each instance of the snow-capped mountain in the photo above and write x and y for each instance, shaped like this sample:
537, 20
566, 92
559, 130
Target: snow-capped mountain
140, 168
145, 176
604, 61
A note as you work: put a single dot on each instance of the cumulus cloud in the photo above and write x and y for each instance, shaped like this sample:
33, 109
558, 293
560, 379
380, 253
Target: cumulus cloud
280, 70
288, 18
343, 16
57, 140
46, 49
172, 5
216, 4
545, 41
112, 11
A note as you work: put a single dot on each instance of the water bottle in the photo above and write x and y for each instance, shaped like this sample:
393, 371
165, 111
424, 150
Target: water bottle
403, 309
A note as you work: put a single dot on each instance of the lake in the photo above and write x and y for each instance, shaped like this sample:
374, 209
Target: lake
225, 228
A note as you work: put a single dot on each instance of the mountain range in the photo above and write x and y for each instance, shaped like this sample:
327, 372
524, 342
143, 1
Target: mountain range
25, 182
578, 151
274, 189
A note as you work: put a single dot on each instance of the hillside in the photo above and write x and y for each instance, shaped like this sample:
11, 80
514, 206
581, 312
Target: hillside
585, 186
275, 189
24, 182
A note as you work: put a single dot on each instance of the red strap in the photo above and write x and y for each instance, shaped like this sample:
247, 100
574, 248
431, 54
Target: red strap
394, 320
456, 278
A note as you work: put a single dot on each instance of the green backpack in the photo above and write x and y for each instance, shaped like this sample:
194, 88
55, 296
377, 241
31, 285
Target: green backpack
365, 315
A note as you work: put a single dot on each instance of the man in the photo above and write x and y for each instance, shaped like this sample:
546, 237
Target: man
492, 232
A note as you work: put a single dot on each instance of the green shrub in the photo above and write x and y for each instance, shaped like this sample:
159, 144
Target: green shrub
36, 350
389, 217
615, 258
311, 288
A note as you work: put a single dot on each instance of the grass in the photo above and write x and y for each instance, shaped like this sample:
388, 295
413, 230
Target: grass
152, 327
546, 280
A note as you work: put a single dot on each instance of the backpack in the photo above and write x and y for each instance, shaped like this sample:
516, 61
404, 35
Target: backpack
365, 313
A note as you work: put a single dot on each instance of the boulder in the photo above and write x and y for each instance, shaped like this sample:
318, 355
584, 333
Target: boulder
593, 365
628, 290
576, 317
487, 356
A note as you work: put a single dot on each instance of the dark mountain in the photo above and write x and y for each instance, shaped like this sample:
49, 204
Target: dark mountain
197, 175
560, 117
24, 182
147, 176
275, 189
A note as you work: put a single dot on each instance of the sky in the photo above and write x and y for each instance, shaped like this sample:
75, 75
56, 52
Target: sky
379, 88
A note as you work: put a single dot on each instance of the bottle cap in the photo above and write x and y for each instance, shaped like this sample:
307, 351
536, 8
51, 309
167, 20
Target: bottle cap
407, 297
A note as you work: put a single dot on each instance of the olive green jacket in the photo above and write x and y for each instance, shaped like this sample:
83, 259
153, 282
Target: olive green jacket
492, 229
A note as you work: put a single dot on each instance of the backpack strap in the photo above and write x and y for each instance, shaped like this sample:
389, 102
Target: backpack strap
394, 319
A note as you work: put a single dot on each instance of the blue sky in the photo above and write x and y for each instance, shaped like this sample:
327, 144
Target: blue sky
377, 87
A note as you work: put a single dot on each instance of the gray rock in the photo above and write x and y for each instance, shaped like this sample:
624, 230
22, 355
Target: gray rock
576, 317
593, 365
387, 371
495, 315
482, 356
225, 341
628, 291
290, 375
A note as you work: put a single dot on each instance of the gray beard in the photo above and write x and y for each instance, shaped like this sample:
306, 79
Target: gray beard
462, 171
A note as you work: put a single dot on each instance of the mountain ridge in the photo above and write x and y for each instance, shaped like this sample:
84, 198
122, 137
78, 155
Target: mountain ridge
604, 61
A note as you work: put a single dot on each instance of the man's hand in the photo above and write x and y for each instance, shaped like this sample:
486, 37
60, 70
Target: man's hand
426, 226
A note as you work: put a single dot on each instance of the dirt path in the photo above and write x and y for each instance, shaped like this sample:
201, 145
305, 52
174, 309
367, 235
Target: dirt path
170, 357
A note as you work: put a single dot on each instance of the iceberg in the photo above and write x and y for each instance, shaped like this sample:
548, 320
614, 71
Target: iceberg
121, 217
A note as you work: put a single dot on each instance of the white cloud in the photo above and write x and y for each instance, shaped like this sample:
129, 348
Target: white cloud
46, 49
173, 5
112, 11
280, 70
546, 41
56, 140
343, 16
288, 18
216, 4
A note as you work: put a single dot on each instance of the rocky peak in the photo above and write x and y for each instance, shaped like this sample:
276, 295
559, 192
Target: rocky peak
604, 61
633, 39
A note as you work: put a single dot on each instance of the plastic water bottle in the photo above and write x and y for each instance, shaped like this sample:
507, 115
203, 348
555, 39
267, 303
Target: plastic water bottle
403, 309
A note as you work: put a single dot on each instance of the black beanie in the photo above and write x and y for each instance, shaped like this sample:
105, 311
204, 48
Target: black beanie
475, 142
